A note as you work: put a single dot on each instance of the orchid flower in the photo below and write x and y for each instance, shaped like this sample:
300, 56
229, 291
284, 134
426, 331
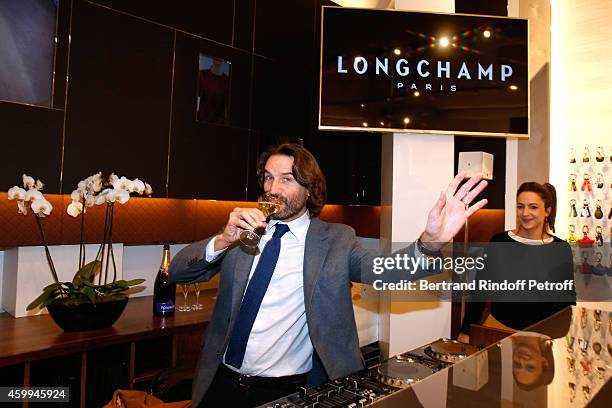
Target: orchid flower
139, 186
101, 198
21, 207
97, 182
75, 209
76, 195
90, 200
16, 193
41, 207
33, 195
28, 182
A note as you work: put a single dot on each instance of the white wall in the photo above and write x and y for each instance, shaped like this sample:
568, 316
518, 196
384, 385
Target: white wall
581, 109
134, 262
26, 272
415, 169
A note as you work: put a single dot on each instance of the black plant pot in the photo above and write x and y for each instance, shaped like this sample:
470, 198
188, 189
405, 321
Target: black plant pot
81, 316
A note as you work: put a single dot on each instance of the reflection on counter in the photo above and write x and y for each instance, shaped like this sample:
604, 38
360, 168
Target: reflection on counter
563, 361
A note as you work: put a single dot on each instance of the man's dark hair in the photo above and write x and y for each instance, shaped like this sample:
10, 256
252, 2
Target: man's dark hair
306, 172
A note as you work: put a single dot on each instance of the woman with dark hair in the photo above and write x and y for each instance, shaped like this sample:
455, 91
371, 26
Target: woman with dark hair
529, 252
533, 364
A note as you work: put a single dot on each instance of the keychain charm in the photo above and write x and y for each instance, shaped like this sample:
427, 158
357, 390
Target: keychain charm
585, 268
586, 393
586, 366
599, 269
586, 211
569, 342
585, 242
598, 210
585, 158
599, 153
599, 236
597, 326
571, 364
572, 182
573, 155
586, 183
572, 238
600, 180
573, 212
600, 156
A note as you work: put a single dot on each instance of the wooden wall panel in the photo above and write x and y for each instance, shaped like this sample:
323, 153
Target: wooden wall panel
31, 144
118, 109
152, 220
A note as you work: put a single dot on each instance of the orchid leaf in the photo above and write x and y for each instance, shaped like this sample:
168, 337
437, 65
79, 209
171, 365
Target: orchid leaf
90, 293
49, 300
132, 282
54, 285
86, 273
45, 298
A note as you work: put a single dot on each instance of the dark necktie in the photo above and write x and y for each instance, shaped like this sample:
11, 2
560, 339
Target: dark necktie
253, 297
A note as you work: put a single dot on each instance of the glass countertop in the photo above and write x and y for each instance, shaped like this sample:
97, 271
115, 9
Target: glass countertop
563, 361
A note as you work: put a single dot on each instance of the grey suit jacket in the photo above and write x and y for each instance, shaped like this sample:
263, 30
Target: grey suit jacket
333, 257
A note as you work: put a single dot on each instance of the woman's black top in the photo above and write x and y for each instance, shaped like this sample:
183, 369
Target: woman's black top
508, 259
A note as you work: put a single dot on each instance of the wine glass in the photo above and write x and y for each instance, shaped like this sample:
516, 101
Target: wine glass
197, 305
185, 307
267, 207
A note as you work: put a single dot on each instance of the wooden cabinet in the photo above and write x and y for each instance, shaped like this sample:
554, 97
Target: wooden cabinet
129, 355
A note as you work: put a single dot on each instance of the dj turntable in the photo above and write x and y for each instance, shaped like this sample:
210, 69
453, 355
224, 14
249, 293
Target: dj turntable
401, 371
370, 385
449, 351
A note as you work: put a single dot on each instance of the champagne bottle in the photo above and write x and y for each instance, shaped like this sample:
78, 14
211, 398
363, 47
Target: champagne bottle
164, 292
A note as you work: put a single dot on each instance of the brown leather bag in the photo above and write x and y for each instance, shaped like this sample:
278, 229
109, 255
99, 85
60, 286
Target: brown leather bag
140, 399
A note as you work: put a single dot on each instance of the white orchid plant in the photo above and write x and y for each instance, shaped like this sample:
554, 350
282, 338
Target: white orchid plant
94, 190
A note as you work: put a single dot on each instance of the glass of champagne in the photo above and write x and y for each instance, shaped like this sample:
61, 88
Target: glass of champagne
267, 207
185, 307
197, 305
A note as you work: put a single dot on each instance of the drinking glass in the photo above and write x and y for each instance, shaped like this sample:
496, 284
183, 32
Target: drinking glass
267, 207
197, 305
185, 307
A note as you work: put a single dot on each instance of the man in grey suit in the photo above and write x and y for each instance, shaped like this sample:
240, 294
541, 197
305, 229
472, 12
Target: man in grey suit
284, 315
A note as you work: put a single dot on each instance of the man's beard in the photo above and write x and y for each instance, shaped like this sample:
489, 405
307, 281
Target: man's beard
290, 206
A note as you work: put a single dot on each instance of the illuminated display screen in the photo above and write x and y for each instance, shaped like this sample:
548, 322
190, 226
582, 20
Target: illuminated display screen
387, 70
